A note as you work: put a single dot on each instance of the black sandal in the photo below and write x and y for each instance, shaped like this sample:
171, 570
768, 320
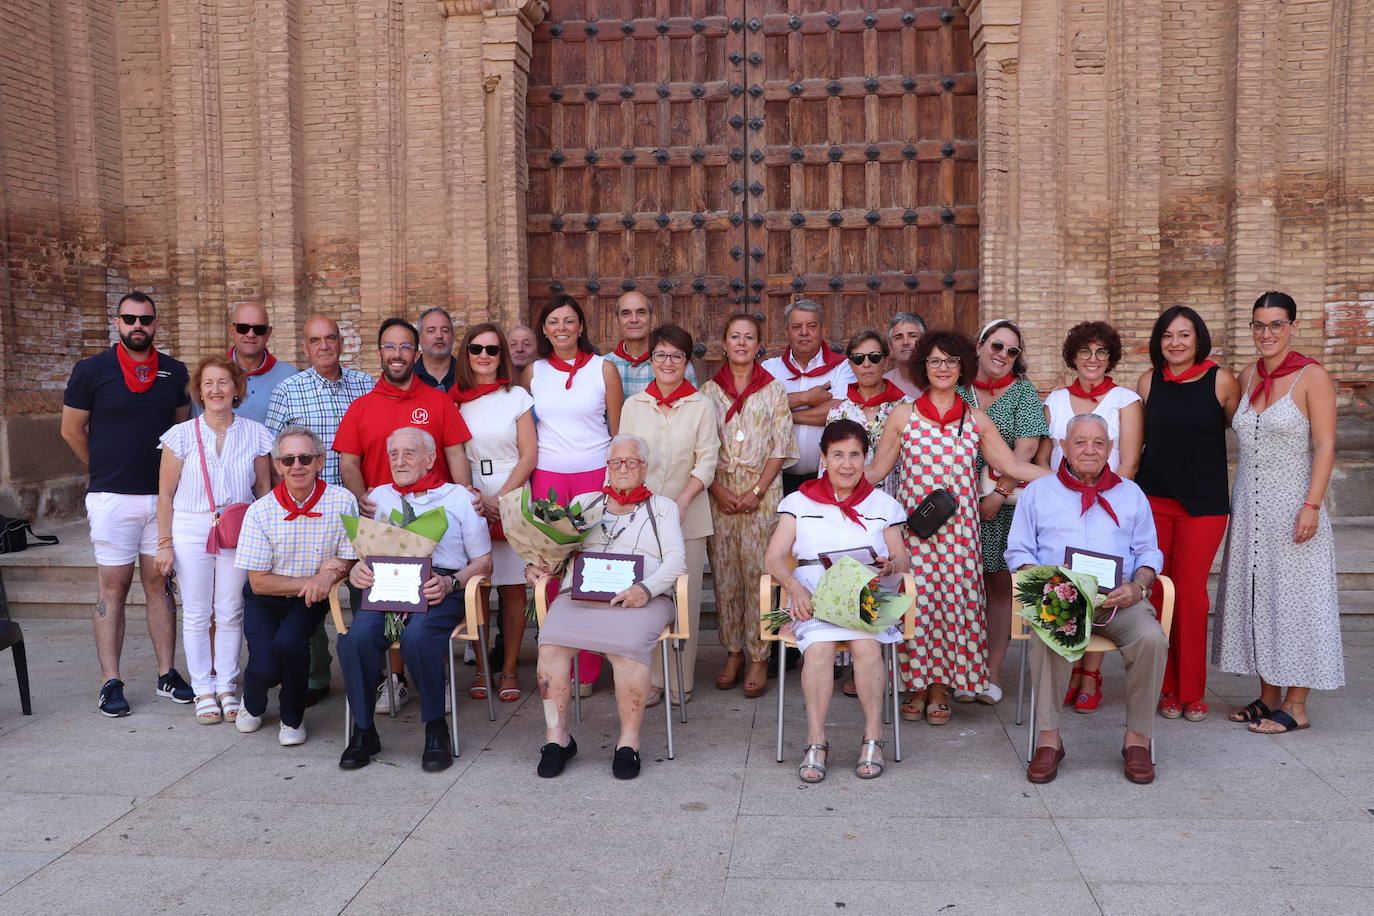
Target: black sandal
1282, 718
625, 764
1252, 713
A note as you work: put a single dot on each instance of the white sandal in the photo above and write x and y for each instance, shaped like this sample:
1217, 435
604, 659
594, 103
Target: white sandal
207, 710
869, 749
229, 704
812, 760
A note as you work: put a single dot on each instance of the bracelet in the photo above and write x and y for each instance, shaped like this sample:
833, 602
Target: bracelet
755, 490
164, 542
1311, 506
1000, 490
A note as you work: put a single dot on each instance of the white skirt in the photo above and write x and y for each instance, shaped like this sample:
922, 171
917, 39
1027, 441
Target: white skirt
814, 631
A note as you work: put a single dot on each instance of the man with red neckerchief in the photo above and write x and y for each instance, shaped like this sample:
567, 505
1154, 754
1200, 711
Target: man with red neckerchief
116, 406
815, 377
635, 315
248, 334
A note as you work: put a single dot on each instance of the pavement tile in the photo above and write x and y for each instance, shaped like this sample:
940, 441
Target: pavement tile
18, 866
874, 894
1264, 898
55, 823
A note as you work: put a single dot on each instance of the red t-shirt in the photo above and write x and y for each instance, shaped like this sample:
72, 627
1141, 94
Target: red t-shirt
376, 415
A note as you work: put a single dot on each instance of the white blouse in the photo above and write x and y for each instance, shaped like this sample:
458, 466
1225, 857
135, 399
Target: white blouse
231, 469
1060, 407
494, 448
822, 528
573, 432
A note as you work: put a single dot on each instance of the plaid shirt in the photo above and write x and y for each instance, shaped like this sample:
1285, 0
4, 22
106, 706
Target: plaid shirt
309, 399
635, 379
269, 543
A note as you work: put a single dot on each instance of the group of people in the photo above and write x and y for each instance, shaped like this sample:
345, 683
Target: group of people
766, 466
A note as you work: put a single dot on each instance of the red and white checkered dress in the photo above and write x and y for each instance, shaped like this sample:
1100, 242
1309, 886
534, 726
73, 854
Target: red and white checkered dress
951, 639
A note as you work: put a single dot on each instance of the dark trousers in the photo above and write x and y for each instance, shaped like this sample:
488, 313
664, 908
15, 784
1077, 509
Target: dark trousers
424, 644
277, 629
792, 482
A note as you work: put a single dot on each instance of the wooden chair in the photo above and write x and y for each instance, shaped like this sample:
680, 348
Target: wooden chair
674, 632
1021, 630
12, 638
770, 595
472, 628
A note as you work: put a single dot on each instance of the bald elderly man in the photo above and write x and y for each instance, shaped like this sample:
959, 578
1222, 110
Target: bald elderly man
249, 332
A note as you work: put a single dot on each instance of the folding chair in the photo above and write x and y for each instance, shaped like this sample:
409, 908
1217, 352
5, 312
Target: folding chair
1021, 630
12, 638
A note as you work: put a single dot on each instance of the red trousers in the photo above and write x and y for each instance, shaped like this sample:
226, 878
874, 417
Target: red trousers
1189, 544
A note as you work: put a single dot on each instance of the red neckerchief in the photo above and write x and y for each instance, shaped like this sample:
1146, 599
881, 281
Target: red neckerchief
821, 490
625, 355
1265, 389
1187, 375
1101, 388
726, 380
268, 361
932, 413
1090, 493
829, 360
465, 395
683, 389
995, 385
580, 360
288, 502
428, 482
889, 394
637, 495
138, 376
388, 390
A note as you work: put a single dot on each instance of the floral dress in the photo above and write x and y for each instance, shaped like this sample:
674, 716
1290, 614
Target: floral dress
848, 410
951, 639
1017, 414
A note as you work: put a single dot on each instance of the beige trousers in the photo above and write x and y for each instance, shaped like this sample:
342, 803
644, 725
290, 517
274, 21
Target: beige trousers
696, 565
1143, 645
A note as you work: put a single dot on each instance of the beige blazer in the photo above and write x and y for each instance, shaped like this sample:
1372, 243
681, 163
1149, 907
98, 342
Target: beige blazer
682, 445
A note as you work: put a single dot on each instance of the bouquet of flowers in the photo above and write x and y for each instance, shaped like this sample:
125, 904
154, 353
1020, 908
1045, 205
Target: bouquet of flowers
1059, 604
849, 596
418, 538
544, 531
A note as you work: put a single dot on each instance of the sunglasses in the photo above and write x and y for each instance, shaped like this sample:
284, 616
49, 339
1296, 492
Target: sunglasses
290, 460
490, 349
858, 358
998, 347
144, 320
258, 329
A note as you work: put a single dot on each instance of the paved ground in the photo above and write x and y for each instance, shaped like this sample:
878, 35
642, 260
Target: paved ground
155, 813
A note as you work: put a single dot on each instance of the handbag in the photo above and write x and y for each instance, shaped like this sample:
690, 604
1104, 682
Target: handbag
224, 528
14, 535
932, 513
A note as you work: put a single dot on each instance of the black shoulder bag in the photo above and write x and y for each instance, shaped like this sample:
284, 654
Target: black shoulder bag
930, 516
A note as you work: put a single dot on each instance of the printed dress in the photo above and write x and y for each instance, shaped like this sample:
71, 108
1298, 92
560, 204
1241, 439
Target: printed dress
848, 410
1017, 414
951, 639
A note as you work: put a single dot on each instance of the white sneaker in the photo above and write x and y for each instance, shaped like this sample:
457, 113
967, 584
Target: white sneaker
246, 722
992, 697
964, 696
384, 696
289, 737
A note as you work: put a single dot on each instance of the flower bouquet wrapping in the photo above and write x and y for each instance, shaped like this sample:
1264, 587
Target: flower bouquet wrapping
544, 531
417, 538
849, 596
1059, 604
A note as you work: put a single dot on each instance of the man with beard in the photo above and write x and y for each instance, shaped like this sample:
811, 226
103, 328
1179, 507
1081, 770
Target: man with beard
248, 334
116, 406
436, 366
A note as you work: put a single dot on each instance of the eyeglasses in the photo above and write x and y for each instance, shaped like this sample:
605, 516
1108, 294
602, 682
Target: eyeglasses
998, 347
858, 358
144, 320
258, 329
490, 349
290, 460
629, 464
394, 347
935, 362
1085, 353
659, 356
1277, 326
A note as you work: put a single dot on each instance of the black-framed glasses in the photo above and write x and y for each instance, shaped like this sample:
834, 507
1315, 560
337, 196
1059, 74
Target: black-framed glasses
258, 329
1277, 325
489, 349
662, 356
935, 362
144, 320
305, 460
1101, 353
858, 358
998, 347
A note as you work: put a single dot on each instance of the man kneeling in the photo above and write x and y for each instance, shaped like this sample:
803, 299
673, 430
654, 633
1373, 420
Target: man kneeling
464, 551
1087, 506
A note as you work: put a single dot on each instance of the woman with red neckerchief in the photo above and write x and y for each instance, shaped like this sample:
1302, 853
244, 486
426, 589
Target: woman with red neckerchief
1189, 401
577, 400
1092, 349
869, 400
1002, 391
934, 443
1277, 615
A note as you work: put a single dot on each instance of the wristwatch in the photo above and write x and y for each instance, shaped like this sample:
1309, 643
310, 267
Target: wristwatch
453, 582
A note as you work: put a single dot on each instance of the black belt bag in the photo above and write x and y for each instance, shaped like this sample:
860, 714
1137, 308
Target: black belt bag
15, 532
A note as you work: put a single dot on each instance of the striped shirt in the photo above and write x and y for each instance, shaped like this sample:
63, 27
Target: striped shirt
309, 399
231, 470
269, 543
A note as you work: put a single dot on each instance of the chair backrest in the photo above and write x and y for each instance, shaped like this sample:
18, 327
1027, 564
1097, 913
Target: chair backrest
4, 599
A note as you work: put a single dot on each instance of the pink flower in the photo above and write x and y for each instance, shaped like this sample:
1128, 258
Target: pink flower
1066, 591
1069, 628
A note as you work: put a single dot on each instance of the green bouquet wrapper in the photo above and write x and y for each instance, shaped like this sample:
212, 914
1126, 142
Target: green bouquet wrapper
1070, 630
839, 595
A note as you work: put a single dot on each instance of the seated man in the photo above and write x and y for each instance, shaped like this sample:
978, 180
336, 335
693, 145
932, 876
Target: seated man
295, 549
463, 552
1086, 505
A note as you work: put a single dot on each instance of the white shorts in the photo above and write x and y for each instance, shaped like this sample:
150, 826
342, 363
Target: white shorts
123, 525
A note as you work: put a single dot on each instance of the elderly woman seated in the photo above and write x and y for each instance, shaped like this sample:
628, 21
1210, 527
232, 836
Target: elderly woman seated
839, 511
631, 521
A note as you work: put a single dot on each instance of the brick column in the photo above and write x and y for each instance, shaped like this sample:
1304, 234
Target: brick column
381, 160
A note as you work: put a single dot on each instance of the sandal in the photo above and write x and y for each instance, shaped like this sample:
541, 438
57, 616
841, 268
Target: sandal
207, 710
756, 679
914, 709
848, 688
1072, 693
1281, 718
1169, 706
1252, 713
509, 694
729, 675
478, 690
870, 750
1196, 711
229, 705
1087, 703
811, 760
937, 710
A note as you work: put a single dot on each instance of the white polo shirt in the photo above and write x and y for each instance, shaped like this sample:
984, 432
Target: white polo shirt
840, 376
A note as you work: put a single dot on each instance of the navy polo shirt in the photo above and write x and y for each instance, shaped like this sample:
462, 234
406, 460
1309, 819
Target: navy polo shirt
124, 427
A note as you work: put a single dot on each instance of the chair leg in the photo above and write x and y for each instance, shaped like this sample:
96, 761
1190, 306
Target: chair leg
348, 720
782, 690
485, 662
1021, 680
896, 702
577, 689
21, 674
453, 699
390, 686
1030, 730
681, 680
1152, 751
667, 705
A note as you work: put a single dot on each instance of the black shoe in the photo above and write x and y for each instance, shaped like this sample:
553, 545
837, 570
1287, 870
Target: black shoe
112, 702
362, 747
554, 757
626, 763
174, 687
438, 753
314, 694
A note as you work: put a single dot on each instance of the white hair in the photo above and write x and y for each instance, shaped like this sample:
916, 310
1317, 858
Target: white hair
316, 443
1088, 418
641, 447
425, 440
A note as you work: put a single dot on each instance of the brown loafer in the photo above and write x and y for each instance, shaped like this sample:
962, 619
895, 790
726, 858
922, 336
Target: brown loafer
1139, 768
1044, 765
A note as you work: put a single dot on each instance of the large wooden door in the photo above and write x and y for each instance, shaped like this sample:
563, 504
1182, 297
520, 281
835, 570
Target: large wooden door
739, 154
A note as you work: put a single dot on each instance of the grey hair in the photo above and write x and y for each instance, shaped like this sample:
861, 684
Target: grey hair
640, 445
906, 318
803, 305
517, 327
430, 311
1087, 417
425, 439
316, 443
